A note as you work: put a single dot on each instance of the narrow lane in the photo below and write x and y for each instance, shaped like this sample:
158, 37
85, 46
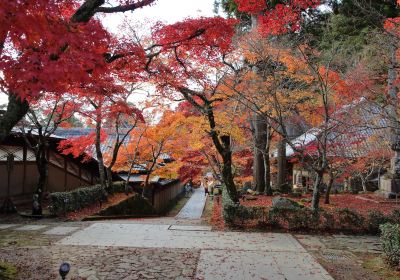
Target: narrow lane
193, 209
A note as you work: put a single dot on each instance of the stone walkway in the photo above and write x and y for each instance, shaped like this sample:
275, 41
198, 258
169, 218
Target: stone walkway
193, 209
179, 249
222, 255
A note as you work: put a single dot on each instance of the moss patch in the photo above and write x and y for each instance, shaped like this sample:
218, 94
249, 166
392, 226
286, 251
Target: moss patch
378, 266
8, 271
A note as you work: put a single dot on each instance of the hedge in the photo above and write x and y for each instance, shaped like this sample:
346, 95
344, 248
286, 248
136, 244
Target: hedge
62, 202
232, 212
390, 239
304, 219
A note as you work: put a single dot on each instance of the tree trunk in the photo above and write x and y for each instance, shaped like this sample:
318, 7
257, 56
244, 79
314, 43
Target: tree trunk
281, 177
42, 167
109, 179
328, 189
148, 189
267, 164
260, 143
16, 110
99, 155
316, 191
363, 183
227, 175
129, 176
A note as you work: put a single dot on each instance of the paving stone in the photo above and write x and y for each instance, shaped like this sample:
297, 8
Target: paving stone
6, 226
193, 209
31, 227
190, 228
311, 242
246, 265
158, 236
61, 230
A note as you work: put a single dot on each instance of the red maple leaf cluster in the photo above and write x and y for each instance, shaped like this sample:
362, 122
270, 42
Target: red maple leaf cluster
280, 18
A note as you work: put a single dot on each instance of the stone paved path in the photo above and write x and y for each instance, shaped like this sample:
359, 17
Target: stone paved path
179, 249
222, 255
193, 209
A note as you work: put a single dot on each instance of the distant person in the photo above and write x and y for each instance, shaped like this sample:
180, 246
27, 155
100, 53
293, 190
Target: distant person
188, 188
210, 188
205, 186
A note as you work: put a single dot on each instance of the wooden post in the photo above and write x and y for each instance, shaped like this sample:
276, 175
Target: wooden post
65, 174
24, 156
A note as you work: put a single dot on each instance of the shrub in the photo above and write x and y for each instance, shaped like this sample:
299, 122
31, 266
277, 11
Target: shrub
350, 220
326, 220
62, 202
232, 212
283, 202
394, 217
296, 194
119, 187
300, 218
374, 220
305, 200
390, 239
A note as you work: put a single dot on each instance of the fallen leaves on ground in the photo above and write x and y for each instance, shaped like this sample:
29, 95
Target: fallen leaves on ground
362, 203
93, 209
217, 220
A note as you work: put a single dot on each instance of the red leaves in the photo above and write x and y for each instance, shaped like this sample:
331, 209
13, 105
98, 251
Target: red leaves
44, 52
280, 18
80, 146
196, 35
251, 6
217, 220
361, 203
120, 107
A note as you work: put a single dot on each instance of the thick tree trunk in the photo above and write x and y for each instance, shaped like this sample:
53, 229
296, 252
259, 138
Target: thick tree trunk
260, 143
329, 188
109, 179
281, 177
316, 191
16, 110
227, 175
99, 155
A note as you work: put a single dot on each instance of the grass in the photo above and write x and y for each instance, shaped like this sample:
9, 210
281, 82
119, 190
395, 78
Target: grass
377, 265
177, 207
8, 271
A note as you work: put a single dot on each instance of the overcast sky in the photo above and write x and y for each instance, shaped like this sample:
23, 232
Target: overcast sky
168, 11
